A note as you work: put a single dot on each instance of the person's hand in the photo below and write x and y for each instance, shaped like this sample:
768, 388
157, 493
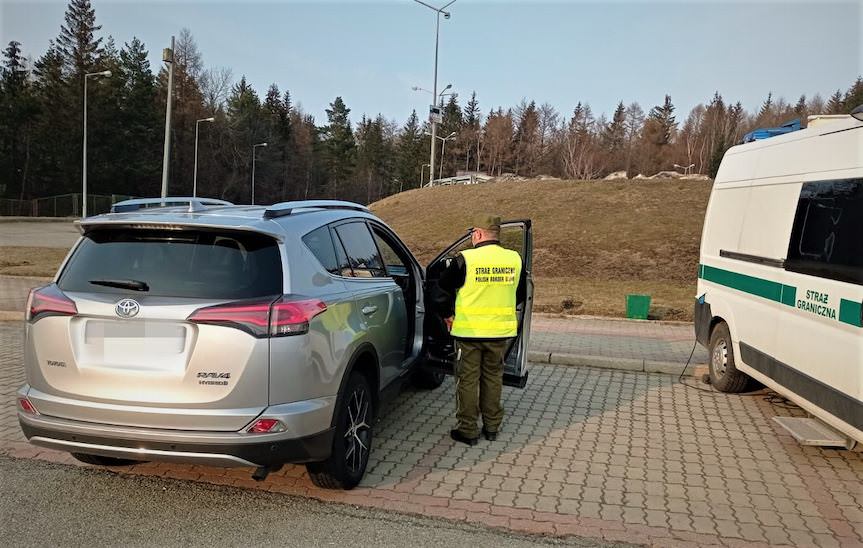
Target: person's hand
448, 322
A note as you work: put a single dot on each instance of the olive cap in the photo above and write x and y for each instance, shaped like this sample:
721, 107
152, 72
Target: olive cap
487, 222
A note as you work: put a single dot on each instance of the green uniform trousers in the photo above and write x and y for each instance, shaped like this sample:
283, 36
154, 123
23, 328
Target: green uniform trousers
479, 381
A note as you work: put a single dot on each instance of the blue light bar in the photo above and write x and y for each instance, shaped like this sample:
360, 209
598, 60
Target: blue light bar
767, 132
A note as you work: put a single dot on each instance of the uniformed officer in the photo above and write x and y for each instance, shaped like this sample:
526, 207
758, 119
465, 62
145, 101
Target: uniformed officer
477, 296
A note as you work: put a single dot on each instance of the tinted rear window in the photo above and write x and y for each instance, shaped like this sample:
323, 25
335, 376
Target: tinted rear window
827, 236
196, 264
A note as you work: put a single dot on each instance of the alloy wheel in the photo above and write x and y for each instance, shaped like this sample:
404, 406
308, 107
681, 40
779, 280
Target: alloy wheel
358, 433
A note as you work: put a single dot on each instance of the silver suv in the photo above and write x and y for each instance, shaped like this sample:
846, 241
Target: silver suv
197, 331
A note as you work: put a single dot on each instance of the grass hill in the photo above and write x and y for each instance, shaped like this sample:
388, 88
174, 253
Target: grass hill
594, 241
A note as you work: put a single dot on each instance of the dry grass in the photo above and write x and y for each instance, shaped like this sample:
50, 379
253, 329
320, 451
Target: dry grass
31, 261
594, 242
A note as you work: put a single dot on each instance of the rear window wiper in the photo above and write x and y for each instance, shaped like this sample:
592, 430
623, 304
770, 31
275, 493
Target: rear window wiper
134, 285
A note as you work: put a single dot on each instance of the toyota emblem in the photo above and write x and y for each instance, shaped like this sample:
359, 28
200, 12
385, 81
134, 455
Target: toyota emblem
128, 308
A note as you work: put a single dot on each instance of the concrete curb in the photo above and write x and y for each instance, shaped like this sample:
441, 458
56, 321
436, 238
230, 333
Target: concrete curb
604, 362
11, 316
38, 219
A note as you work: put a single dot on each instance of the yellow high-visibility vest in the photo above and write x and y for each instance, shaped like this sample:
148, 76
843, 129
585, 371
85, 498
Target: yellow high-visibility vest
485, 304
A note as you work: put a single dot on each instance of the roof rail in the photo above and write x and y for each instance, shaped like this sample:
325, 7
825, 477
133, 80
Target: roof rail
195, 204
283, 209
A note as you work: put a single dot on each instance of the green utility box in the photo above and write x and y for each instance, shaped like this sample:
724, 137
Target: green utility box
637, 306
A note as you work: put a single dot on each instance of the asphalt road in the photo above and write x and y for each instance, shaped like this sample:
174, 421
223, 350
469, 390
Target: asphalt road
47, 504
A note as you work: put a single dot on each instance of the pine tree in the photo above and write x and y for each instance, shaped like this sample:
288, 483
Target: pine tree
854, 96
339, 147
800, 107
835, 105
663, 116
54, 140
138, 152
527, 140
411, 153
76, 42
765, 113
278, 117
16, 122
471, 133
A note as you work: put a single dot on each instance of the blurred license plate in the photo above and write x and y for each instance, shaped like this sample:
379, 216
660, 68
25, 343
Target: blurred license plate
152, 337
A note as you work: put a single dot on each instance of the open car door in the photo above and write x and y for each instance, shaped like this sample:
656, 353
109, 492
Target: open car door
439, 345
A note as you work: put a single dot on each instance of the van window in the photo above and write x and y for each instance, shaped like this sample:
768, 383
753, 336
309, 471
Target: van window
176, 263
826, 237
361, 249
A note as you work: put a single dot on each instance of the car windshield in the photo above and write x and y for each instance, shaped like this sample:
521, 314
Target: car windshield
175, 263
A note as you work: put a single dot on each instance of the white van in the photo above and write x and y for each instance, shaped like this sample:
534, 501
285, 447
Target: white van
780, 279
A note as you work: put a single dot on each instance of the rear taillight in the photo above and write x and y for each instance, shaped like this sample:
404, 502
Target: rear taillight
266, 426
288, 315
26, 406
48, 301
292, 317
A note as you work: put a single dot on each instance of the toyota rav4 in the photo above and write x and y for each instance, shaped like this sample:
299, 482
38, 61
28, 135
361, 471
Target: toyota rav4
194, 330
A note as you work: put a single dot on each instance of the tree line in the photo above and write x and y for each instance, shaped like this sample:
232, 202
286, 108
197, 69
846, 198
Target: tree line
361, 160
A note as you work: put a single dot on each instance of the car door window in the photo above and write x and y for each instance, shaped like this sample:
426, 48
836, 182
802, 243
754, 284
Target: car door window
393, 263
320, 243
362, 253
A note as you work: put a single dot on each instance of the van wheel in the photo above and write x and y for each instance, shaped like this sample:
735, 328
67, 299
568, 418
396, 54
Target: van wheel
99, 460
353, 439
427, 379
723, 371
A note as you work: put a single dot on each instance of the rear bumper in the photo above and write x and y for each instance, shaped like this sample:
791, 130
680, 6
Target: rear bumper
308, 438
227, 453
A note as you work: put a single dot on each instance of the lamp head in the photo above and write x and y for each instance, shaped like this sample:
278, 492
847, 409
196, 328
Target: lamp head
857, 113
445, 15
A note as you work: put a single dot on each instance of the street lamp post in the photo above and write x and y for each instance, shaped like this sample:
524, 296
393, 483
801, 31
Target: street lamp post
195, 177
446, 14
104, 73
168, 57
443, 140
254, 147
449, 137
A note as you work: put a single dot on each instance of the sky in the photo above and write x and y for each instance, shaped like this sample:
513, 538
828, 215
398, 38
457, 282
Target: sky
372, 52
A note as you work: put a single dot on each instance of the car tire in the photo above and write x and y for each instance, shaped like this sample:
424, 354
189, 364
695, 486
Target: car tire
427, 379
99, 460
724, 375
352, 442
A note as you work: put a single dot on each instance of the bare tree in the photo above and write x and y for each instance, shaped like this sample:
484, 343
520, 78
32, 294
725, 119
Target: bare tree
216, 82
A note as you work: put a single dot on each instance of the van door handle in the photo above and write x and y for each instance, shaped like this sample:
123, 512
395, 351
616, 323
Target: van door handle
369, 309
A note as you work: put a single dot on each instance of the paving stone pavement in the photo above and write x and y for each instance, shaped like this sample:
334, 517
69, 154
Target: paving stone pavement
618, 455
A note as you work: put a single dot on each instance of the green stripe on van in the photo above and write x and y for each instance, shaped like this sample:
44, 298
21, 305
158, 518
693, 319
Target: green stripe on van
767, 289
851, 312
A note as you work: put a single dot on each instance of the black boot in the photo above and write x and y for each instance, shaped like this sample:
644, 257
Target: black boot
490, 436
461, 438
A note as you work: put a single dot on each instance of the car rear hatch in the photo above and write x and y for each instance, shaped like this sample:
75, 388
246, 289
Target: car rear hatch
117, 341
